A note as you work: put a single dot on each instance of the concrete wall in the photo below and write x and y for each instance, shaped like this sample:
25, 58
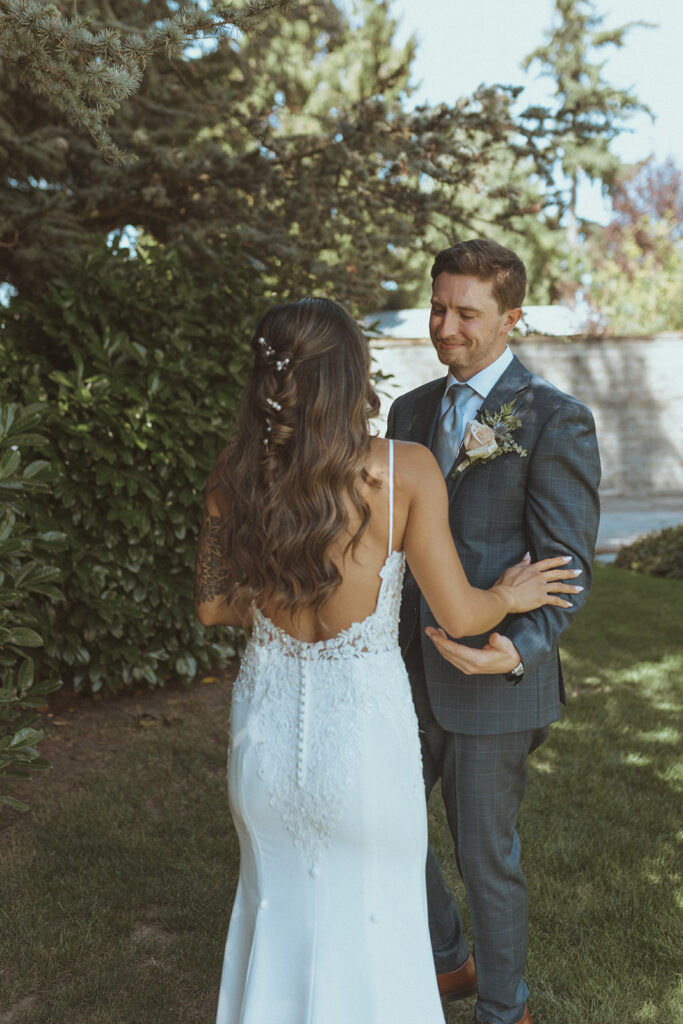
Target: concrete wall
634, 387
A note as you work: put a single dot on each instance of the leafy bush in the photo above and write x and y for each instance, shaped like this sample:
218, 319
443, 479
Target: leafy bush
23, 574
140, 362
656, 554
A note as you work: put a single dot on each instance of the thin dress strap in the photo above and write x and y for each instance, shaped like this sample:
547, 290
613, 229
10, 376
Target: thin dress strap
391, 496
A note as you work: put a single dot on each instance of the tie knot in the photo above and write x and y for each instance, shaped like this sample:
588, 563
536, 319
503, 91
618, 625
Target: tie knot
458, 394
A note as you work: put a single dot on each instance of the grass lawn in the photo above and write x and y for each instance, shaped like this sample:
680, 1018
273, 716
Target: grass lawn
115, 889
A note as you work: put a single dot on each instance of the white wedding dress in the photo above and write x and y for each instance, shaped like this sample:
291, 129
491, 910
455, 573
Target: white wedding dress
329, 924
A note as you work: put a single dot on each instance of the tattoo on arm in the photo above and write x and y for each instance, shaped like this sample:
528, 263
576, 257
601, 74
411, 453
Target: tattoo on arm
211, 577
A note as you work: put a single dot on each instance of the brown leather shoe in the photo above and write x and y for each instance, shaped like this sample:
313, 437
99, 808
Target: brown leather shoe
526, 1019
459, 984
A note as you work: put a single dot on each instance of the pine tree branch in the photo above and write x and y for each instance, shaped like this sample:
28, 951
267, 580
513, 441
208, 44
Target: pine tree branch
88, 75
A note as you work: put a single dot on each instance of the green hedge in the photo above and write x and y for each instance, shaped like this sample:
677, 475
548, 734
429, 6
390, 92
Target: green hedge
25, 581
656, 554
140, 363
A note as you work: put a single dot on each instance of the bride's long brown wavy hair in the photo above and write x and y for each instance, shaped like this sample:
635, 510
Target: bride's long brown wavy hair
297, 457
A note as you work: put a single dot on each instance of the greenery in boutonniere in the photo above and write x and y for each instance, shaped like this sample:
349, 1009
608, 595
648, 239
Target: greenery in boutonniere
492, 437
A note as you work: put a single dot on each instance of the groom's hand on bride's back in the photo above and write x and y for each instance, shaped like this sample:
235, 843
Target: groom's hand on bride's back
498, 657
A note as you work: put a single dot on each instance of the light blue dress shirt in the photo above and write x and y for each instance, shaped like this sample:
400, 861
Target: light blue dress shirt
481, 384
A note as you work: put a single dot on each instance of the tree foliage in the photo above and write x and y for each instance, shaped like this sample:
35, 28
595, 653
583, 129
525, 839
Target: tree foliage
88, 65
635, 263
139, 363
648, 194
296, 141
589, 112
26, 577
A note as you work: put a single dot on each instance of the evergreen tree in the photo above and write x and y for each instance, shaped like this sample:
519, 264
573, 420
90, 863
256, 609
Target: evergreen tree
296, 142
87, 66
590, 112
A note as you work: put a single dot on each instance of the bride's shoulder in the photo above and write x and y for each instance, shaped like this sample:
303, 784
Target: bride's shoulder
414, 463
411, 456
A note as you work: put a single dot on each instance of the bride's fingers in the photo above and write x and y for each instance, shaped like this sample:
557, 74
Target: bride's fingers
525, 560
558, 601
561, 574
552, 563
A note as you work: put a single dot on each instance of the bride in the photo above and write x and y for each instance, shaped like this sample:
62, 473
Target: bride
308, 521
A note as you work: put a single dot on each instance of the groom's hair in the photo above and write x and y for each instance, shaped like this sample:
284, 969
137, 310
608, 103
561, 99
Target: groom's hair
488, 261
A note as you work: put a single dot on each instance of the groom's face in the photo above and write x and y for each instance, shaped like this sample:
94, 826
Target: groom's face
466, 326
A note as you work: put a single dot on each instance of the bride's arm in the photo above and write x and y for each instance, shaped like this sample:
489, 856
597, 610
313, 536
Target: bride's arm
212, 580
463, 610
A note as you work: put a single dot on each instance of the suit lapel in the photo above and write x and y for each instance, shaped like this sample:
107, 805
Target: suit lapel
510, 385
426, 415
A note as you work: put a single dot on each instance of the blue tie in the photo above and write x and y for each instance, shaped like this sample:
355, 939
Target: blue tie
449, 429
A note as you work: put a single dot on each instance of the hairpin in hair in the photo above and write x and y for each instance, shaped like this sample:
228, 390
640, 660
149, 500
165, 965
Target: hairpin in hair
267, 354
267, 351
274, 405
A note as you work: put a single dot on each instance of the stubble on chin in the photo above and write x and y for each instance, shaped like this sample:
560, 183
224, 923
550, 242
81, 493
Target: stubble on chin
457, 366
453, 361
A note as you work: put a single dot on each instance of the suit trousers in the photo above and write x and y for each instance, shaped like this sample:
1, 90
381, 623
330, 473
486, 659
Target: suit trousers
483, 779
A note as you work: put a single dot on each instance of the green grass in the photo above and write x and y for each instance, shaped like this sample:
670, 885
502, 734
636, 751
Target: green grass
601, 821
115, 889
115, 895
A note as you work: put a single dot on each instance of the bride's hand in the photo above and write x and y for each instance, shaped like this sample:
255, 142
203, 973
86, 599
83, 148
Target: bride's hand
528, 585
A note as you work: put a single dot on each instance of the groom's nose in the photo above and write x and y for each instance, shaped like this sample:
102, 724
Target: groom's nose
450, 324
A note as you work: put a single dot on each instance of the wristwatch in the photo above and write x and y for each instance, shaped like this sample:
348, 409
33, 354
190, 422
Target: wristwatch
516, 673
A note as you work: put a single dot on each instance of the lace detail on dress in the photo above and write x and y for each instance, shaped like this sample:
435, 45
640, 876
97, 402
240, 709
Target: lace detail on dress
376, 632
309, 701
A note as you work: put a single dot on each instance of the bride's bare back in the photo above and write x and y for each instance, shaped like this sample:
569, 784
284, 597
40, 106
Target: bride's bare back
356, 596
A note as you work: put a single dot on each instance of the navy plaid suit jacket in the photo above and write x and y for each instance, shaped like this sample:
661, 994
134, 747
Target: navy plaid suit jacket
546, 503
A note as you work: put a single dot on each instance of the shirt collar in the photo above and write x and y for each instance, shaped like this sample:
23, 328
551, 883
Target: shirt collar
484, 381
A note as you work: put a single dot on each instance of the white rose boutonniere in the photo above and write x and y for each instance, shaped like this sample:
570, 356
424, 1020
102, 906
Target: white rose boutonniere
492, 437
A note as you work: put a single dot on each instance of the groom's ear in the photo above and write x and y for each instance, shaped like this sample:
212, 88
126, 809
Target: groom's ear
512, 317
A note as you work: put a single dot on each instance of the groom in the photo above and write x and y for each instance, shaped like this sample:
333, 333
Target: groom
486, 703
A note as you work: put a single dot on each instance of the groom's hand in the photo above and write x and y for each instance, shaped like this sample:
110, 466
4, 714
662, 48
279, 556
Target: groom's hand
499, 656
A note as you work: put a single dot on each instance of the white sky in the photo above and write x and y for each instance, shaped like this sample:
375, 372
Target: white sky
463, 44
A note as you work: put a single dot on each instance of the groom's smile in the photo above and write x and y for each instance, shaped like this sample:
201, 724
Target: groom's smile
467, 328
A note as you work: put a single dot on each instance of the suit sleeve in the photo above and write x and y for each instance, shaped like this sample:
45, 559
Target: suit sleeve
562, 516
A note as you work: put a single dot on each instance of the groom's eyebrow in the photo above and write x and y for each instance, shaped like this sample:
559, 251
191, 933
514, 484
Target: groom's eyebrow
436, 303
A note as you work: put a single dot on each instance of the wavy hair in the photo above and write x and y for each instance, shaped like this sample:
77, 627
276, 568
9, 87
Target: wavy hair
298, 455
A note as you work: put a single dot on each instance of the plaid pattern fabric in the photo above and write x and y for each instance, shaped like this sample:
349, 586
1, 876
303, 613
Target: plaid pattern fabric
546, 503
483, 779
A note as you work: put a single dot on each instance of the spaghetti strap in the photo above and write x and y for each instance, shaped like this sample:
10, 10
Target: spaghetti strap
391, 496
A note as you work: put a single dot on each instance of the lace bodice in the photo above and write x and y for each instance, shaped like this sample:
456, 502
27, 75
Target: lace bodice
376, 632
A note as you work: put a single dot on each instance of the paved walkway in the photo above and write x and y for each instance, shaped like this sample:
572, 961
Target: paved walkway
623, 518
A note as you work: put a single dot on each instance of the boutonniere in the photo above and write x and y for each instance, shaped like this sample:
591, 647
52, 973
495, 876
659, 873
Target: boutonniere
492, 437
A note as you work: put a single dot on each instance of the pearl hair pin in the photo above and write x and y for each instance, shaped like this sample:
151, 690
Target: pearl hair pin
268, 352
